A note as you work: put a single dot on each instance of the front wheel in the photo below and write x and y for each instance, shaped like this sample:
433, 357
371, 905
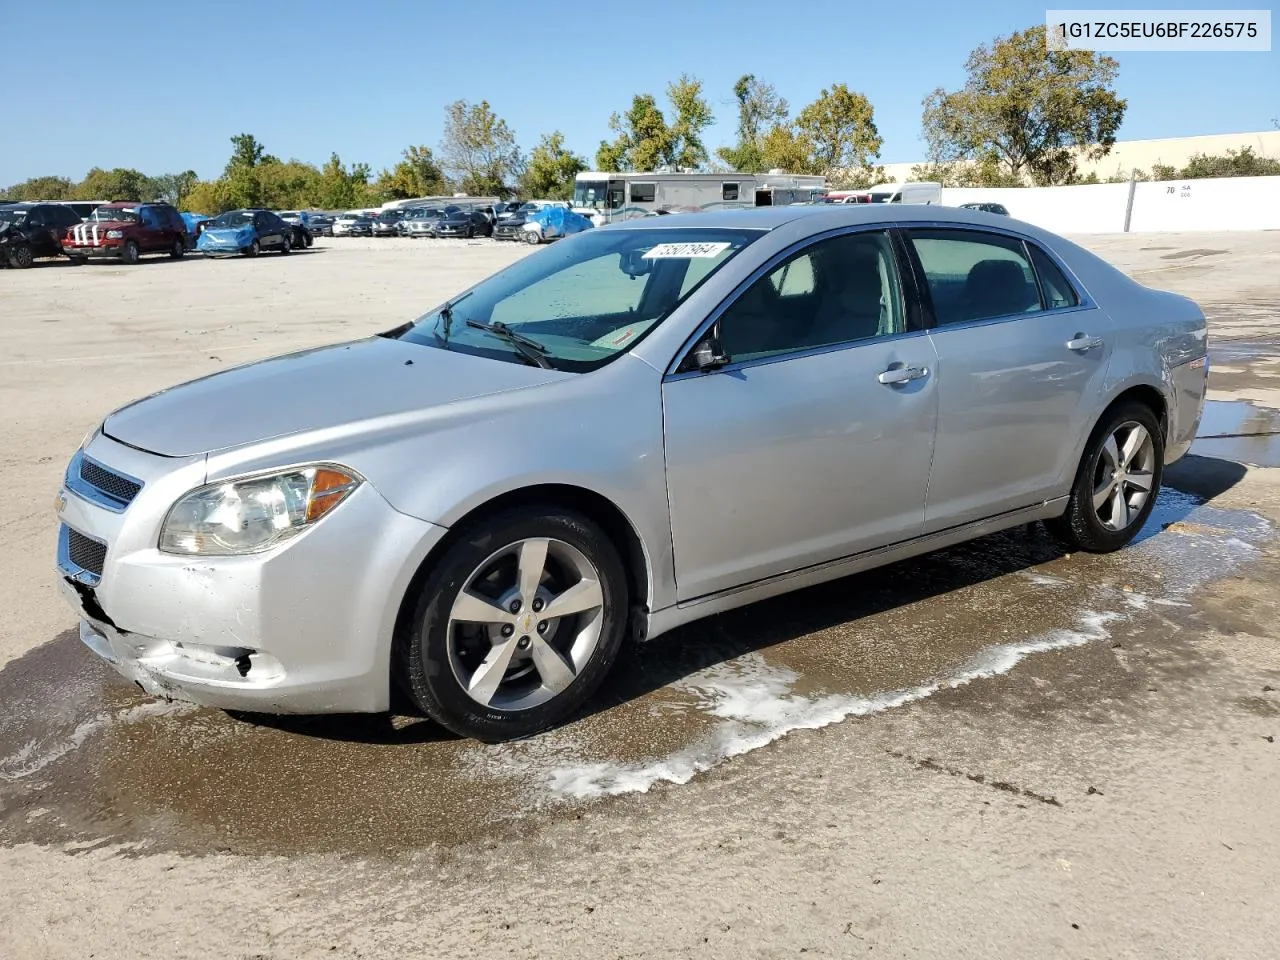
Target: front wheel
531, 237
130, 253
1117, 482
22, 256
516, 626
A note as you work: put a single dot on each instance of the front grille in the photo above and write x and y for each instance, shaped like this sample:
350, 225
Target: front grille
85, 552
118, 488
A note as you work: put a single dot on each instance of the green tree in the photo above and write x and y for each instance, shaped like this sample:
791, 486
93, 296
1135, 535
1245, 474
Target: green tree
551, 169
208, 196
1029, 107
479, 150
760, 111
40, 188
289, 185
1237, 163
120, 183
416, 175
645, 141
340, 188
786, 148
246, 152
841, 126
173, 187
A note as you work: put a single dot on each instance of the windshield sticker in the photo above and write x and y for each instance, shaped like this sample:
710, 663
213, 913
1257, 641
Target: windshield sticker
685, 251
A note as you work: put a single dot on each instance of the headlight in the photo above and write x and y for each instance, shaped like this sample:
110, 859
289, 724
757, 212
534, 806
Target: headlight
114, 234
254, 513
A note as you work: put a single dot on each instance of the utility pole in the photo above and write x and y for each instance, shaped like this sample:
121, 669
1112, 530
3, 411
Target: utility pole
1133, 186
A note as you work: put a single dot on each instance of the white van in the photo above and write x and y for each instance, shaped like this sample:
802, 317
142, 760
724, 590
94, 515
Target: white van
919, 192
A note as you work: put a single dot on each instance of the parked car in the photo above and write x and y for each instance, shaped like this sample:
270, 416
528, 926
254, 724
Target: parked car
245, 232
35, 231
321, 225
423, 223
553, 223
300, 220
462, 223
300, 534
387, 223
126, 231
998, 208
353, 224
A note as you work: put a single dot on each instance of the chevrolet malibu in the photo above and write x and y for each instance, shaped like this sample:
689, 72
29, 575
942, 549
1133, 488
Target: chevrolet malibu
631, 429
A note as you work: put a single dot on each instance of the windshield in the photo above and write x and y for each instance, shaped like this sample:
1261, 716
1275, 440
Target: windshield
234, 218
391, 216
587, 299
106, 214
884, 196
589, 193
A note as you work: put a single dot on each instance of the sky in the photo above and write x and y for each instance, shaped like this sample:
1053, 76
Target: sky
161, 87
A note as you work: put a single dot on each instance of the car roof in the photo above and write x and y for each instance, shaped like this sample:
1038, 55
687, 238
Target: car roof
825, 216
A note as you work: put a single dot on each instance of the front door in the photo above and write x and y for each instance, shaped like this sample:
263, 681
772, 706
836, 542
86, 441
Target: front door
814, 441
1022, 357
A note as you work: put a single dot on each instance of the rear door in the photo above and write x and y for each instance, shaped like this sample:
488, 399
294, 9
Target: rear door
1022, 357
151, 235
269, 236
43, 232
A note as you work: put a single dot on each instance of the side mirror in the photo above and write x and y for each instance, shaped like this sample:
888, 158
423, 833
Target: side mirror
709, 354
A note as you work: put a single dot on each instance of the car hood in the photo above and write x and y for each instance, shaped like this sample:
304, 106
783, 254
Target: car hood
311, 390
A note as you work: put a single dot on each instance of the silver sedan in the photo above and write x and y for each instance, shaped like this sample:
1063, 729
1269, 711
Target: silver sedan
626, 431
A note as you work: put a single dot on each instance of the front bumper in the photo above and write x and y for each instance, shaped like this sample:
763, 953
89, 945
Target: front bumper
304, 628
103, 251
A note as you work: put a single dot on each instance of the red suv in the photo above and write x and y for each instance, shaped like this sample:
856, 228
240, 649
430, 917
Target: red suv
126, 231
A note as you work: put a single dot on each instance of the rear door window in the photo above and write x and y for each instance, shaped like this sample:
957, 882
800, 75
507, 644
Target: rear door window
1057, 290
973, 275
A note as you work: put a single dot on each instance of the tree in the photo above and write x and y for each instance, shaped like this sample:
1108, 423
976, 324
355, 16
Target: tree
208, 196
246, 152
841, 126
340, 188
120, 183
760, 112
173, 187
479, 149
416, 175
40, 188
645, 141
786, 148
1029, 107
550, 172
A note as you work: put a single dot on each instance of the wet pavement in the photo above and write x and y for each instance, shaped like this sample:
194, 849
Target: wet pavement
86, 760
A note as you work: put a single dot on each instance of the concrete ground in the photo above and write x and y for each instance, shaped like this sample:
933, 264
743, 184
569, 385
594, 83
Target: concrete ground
995, 751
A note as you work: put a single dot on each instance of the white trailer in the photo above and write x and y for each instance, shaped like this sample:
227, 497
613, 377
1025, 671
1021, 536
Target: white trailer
606, 197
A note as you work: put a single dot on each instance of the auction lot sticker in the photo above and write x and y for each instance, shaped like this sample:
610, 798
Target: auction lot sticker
685, 251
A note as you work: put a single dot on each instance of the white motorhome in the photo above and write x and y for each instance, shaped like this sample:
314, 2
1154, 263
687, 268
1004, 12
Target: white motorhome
918, 192
606, 197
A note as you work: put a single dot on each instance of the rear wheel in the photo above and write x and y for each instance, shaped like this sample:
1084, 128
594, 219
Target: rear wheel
286, 245
253, 249
516, 626
177, 249
1117, 482
130, 252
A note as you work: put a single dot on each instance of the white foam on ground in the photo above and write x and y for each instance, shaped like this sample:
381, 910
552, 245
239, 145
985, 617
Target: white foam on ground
33, 756
753, 699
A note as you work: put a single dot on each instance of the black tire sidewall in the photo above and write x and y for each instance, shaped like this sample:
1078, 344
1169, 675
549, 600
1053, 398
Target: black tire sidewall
423, 667
177, 249
22, 256
1086, 529
130, 253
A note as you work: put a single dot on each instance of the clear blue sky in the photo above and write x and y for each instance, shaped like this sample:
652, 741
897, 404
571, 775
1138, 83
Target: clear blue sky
162, 86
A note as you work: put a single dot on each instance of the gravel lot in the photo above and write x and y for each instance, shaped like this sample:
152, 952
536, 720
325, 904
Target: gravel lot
997, 751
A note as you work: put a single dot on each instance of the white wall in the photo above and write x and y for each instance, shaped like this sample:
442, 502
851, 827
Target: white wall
1230, 203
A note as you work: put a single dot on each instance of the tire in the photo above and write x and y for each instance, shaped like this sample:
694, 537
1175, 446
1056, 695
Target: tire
531, 238
130, 253
177, 250
1103, 528
286, 245
21, 256
438, 654
307, 240
253, 249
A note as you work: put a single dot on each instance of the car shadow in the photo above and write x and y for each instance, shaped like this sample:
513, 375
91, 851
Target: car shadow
643, 668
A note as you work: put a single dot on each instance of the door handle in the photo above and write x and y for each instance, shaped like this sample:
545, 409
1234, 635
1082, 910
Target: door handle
1084, 342
903, 374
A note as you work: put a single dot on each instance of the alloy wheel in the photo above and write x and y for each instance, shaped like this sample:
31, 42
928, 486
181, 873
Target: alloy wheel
1123, 476
525, 624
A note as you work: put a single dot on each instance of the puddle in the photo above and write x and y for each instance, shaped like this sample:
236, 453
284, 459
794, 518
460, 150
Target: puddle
86, 760
1240, 431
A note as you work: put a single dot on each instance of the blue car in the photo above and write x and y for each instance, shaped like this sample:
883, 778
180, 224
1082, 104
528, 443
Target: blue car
245, 232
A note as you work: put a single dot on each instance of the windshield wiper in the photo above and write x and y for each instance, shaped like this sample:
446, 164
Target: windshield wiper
527, 347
